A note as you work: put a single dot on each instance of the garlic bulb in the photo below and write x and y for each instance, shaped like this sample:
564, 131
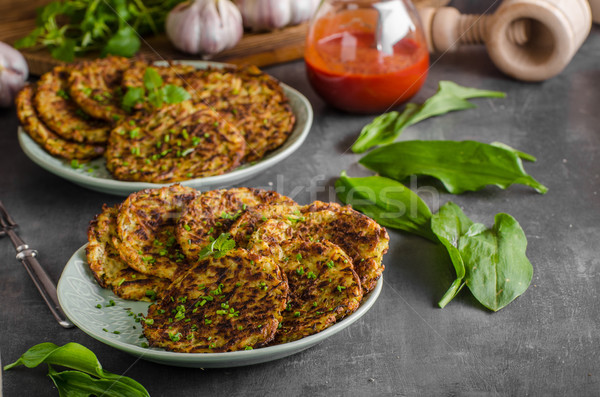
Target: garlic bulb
259, 15
204, 26
13, 73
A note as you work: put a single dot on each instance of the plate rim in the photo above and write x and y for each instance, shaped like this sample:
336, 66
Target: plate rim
124, 188
203, 360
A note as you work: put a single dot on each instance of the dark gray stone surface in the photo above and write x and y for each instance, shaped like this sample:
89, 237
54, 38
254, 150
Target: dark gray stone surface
547, 342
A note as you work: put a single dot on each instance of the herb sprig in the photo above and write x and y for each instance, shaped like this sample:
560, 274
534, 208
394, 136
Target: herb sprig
70, 28
218, 248
153, 92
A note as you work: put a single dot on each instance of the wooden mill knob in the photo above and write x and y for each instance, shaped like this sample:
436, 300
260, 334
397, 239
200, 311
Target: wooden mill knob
530, 40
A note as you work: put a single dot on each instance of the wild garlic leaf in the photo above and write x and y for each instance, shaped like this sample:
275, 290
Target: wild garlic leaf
460, 166
496, 266
522, 155
449, 97
74, 356
389, 202
449, 224
79, 384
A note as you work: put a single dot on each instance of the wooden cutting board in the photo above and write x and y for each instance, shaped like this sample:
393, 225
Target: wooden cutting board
257, 49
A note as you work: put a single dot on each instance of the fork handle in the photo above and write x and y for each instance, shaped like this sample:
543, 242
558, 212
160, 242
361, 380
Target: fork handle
42, 282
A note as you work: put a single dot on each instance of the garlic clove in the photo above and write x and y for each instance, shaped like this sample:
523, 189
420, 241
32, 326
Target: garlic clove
204, 26
13, 74
260, 15
183, 27
303, 10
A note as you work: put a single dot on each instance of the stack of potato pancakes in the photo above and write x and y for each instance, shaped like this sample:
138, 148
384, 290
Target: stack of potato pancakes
234, 116
235, 269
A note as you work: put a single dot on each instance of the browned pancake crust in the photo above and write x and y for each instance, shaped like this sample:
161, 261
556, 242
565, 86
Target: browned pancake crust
324, 287
108, 268
249, 99
363, 239
171, 74
146, 229
213, 213
225, 304
174, 143
61, 114
47, 139
96, 87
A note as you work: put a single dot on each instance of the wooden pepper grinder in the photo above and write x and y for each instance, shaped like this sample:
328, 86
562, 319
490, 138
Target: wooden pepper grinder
530, 40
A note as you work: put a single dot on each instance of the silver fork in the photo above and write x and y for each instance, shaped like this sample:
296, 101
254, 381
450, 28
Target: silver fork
37, 273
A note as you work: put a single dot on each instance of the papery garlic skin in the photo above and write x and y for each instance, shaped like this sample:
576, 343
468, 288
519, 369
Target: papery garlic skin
261, 15
204, 26
13, 74
303, 10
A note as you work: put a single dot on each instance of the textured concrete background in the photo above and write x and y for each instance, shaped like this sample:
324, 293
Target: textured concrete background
544, 343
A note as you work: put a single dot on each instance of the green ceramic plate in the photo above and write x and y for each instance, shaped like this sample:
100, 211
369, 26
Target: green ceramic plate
95, 176
79, 293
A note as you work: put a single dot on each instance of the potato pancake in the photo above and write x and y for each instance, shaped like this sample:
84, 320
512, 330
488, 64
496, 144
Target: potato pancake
213, 213
96, 87
249, 99
174, 143
47, 139
324, 287
171, 74
358, 235
243, 228
108, 268
56, 109
146, 229
363, 239
223, 304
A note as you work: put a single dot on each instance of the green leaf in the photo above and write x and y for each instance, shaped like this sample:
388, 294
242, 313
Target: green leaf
497, 268
79, 384
132, 97
175, 94
461, 166
218, 248
389, 202
522, 155
71, 355
30, 40
152, 79
65, 51
449, 224
125, 42
449, 97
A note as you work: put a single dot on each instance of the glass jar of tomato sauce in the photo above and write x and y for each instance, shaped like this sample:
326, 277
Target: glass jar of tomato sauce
366, 56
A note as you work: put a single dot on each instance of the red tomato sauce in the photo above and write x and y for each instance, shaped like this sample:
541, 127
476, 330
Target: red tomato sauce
349, 73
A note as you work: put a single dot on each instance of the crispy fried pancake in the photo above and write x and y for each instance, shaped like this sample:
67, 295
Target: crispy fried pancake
358, 235
108, 268
213, 213
250, 100
96, 87
56, 109
243, 228
225, 304
174, 143
324, 287
47, 139
146, 229
171, 74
